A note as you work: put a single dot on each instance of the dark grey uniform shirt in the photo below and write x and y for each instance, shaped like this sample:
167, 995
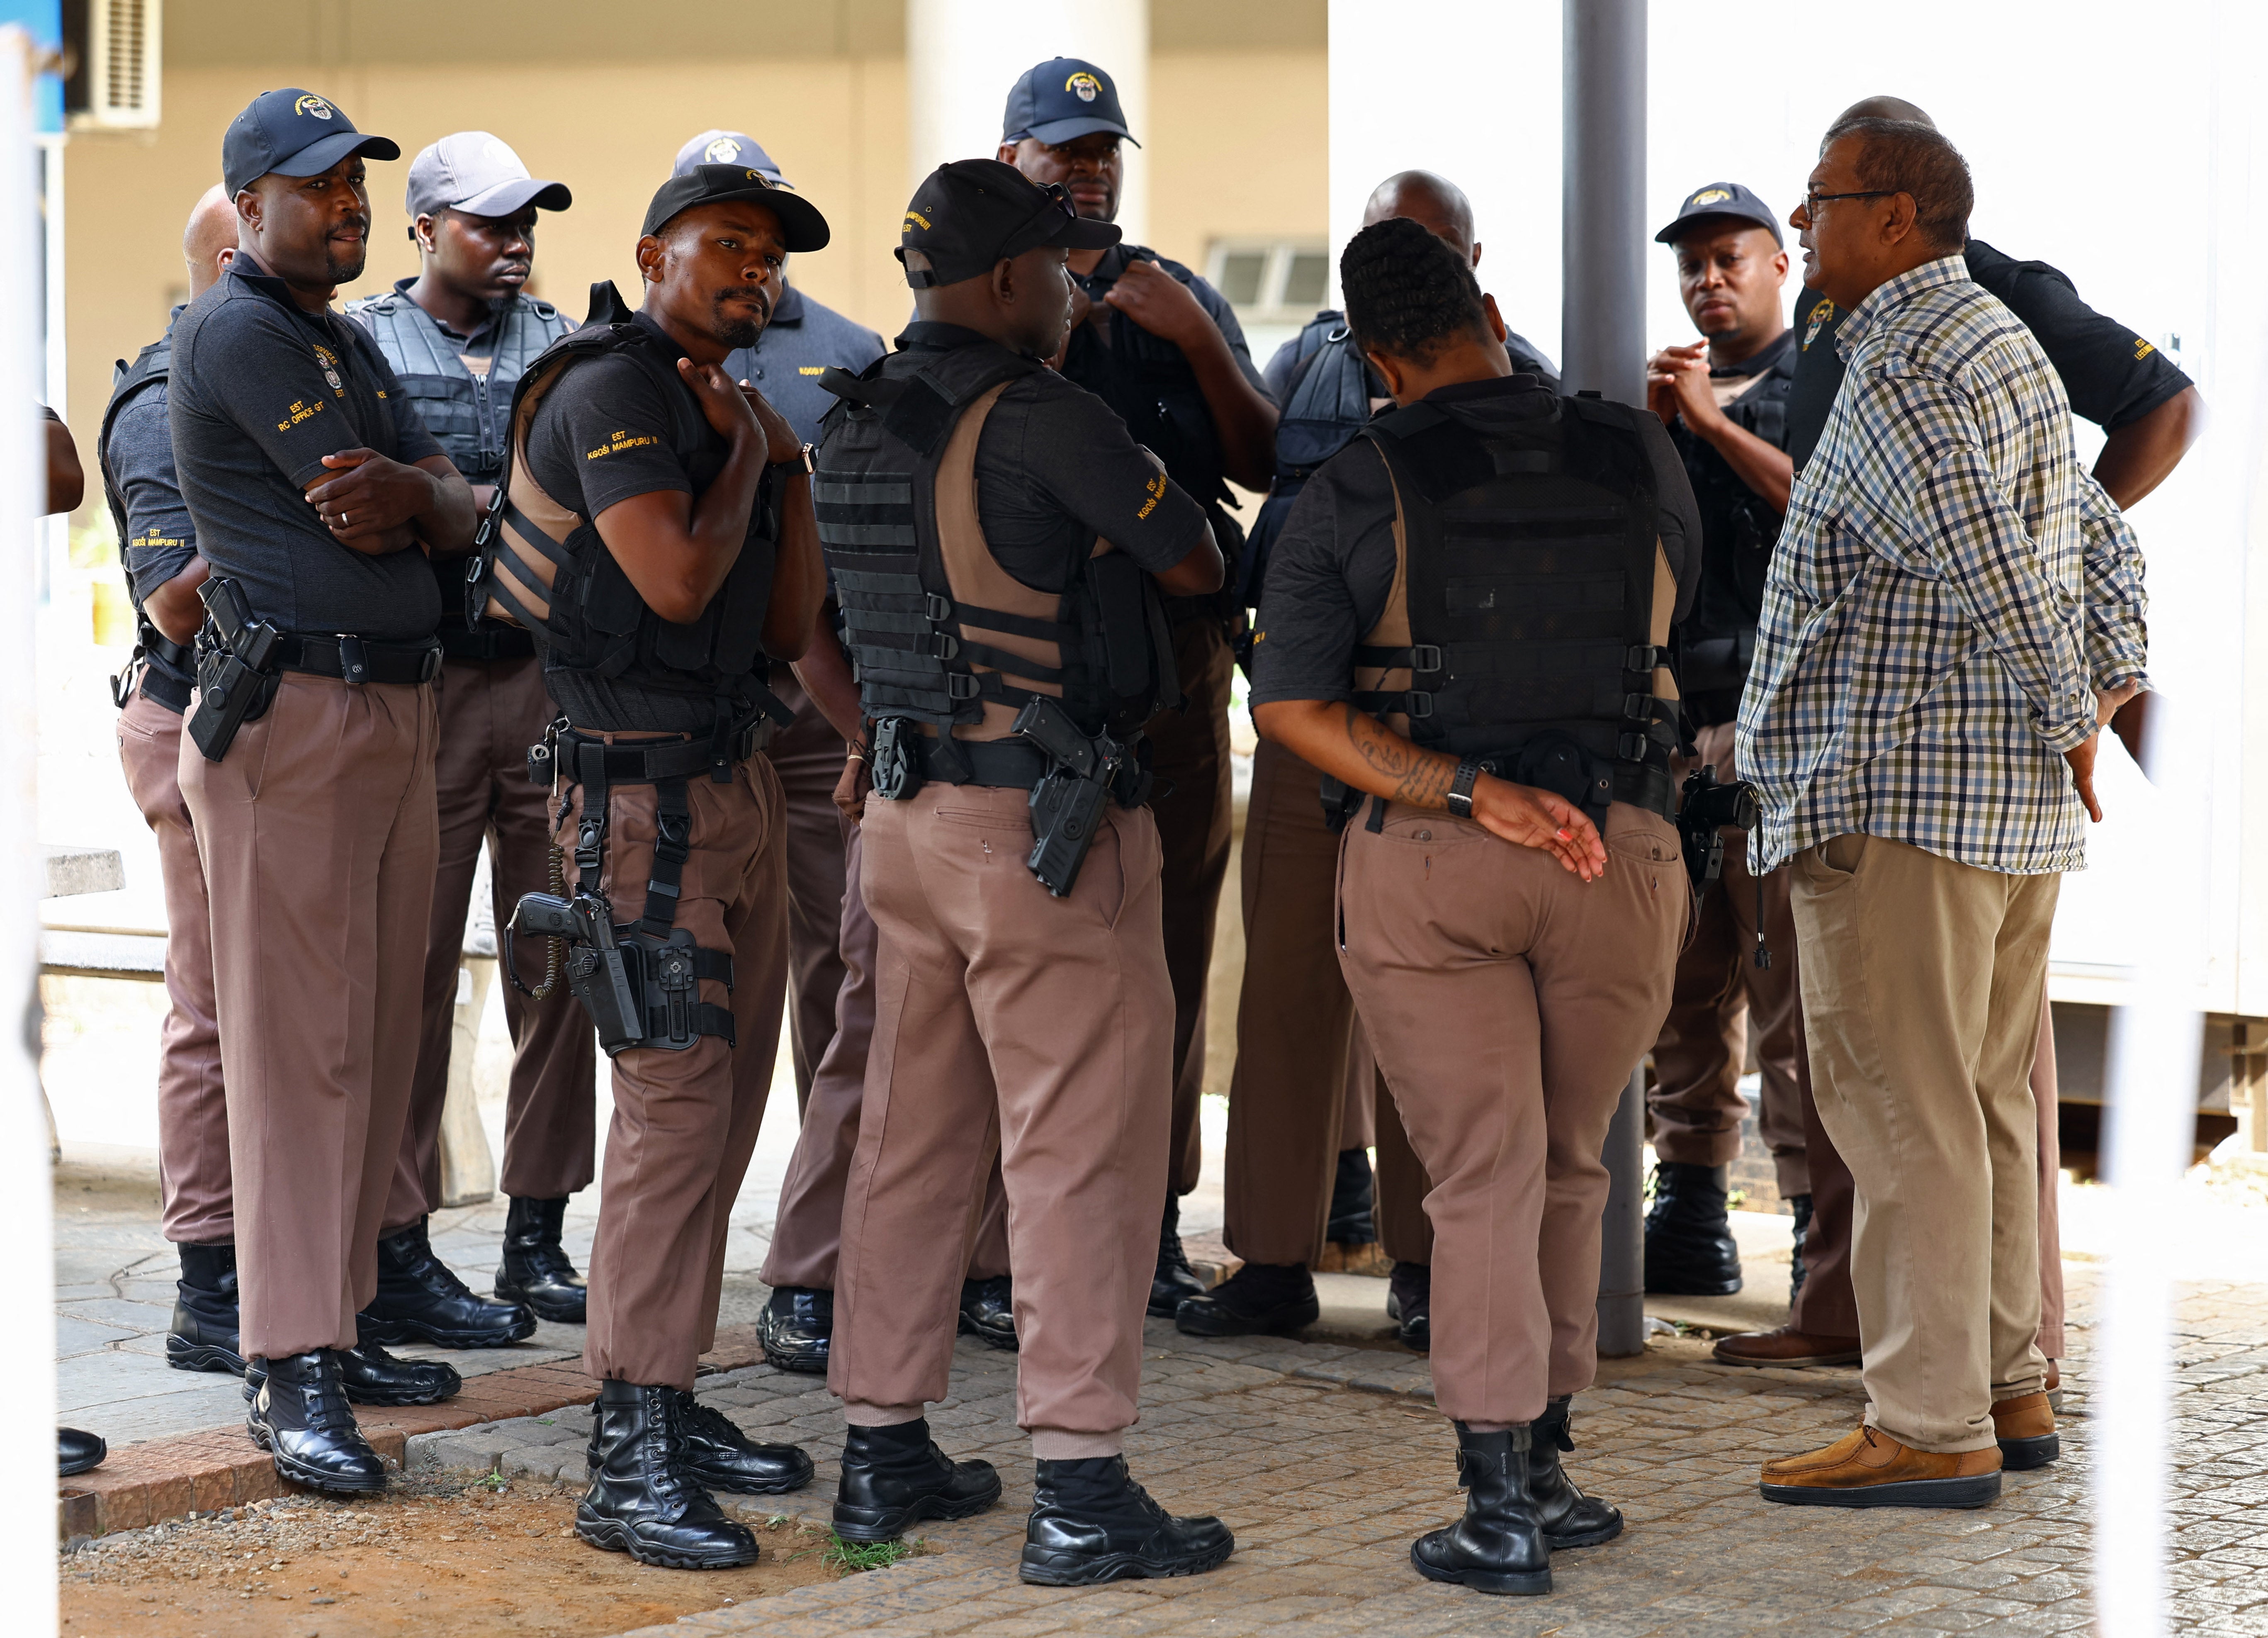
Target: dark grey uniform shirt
1333, 567
804, 338
160, 537
261, 391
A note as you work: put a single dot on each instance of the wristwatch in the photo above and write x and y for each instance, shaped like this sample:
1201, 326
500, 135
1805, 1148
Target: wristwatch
801, 459
1460, 799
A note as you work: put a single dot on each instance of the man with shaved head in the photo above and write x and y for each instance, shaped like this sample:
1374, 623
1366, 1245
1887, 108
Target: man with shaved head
158, 543
1304, 1103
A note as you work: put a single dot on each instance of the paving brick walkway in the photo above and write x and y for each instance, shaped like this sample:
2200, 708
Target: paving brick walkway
1326, 1460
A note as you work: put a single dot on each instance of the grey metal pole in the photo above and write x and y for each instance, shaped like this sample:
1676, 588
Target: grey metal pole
1602, 308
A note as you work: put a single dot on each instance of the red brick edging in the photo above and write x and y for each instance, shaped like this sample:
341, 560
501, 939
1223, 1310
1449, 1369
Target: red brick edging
167, 1478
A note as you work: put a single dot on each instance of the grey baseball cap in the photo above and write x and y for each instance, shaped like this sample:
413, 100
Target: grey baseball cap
728, 148
477, 173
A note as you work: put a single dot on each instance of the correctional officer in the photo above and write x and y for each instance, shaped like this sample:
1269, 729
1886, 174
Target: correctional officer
1511, 899
2150, 412
315, 495
1295, 1023
1724, 402
656, 537
1161, 347
999, 543
159, 545
459, 335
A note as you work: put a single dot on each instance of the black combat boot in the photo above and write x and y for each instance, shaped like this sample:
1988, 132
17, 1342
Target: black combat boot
371, 1375
1499, 1546
419, 1300
1175, 1282
1090, 1522
1410, 1302
795, 1329
643, 1500
1800, 1204
203, 1334
1258, 1298
1689, 1250
722, 1458
535, 1272
894, 1477
77, 1450
1353, 1221
988, 1310
300, 1415
1571, 1519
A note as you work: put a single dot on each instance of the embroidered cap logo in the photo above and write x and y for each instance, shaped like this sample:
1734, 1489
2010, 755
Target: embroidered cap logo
313, 105
1084, 85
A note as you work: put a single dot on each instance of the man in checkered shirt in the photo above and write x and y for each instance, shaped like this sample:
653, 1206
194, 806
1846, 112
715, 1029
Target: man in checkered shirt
1952, 611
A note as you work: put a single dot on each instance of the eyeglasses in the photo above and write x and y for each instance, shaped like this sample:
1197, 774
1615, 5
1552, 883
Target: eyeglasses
1813, 200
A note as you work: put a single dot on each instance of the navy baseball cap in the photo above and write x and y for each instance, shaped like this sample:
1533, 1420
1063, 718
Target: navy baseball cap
293, 133
971, 214
801, 225
1720, 199
1062, 99
728, 148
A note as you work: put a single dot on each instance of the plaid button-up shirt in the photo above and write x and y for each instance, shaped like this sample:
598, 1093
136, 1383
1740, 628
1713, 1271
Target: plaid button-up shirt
1948, 590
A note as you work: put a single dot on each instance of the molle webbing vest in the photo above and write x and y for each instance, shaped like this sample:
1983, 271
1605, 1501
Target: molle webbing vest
938, 631
451, 399
544, 567
1531, 603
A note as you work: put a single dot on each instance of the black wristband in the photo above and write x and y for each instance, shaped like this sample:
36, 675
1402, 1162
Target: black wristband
1460, 799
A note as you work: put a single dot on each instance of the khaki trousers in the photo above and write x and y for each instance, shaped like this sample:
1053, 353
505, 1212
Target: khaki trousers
1721, 996
491, 712
808, 1232
1041, 1027
319, 841
197, 1206
685, 1123
808, 755
1372, 1121
1193, 810
1921, 984
1507, 1002
1296, 1039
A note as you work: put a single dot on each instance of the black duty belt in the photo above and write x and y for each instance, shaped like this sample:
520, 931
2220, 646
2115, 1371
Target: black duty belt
490, 642
356, 660
167, 690
654, 762
1009, 764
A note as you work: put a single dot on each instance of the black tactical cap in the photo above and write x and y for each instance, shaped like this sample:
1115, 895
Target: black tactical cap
801, 225
1720, 199
972, 213
1062, 99
293, 133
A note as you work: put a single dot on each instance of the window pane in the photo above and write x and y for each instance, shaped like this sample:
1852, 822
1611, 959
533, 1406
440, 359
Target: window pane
1239, 277
1304, 280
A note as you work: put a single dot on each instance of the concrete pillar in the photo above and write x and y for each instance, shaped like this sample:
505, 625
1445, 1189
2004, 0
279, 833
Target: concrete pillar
961, 57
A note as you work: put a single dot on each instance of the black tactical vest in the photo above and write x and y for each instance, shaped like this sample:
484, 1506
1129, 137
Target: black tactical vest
171, 665
1531, 573
1717, 639
540, 567
915, 651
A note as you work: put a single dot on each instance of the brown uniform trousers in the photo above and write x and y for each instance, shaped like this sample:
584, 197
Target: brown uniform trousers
685, 1124
318, 839
808, 757
196, 1206
1921, 982
1695, 1099
1194, 812
808, 1233
1372, 1121
1041, 1028
1298, 1041
491, 712
1507, 1002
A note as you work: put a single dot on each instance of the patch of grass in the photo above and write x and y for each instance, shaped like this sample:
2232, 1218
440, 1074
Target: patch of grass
849, 1558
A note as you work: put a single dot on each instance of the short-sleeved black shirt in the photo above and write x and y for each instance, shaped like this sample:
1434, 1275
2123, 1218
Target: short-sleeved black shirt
1333, 567
1055, 468
262, 390
161, 540
2112, 376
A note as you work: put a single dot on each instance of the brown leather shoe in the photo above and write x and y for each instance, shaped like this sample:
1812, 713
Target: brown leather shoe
2026, 1428
1787, 1347
1869, 1468
2055, 1388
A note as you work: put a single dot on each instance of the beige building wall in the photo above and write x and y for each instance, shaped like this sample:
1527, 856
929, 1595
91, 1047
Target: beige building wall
1237, 99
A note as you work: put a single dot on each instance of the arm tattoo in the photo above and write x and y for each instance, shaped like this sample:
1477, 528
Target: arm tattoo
1421, 777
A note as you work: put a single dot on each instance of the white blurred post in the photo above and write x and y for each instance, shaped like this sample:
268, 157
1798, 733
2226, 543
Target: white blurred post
961, 57
27, 1370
